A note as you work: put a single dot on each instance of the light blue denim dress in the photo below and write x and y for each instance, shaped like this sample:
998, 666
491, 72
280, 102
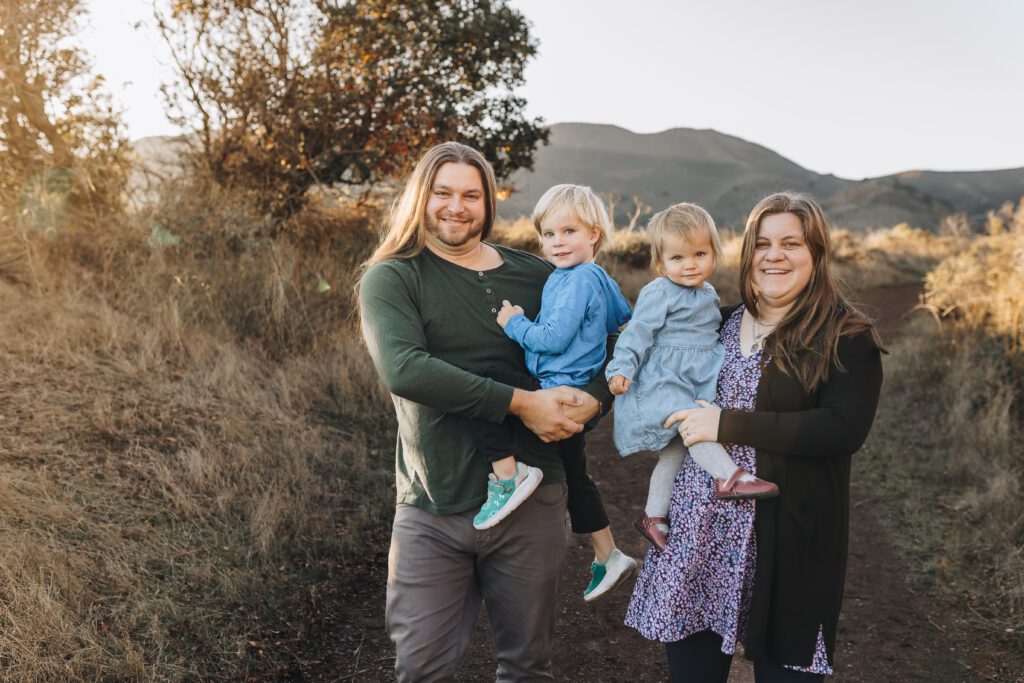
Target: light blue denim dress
671, 353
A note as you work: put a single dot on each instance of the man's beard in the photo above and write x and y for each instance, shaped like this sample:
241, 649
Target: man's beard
473, 230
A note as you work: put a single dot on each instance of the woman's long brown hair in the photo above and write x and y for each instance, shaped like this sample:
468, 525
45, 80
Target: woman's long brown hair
805, 344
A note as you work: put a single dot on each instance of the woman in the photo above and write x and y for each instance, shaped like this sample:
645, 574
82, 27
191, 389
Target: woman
797, 394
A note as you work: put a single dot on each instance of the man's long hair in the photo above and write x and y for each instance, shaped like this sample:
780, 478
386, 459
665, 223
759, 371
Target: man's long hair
805, 344
405, 232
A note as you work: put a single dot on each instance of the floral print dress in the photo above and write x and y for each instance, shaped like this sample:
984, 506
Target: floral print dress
704, 578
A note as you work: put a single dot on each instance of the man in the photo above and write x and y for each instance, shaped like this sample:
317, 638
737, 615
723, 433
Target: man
429, 300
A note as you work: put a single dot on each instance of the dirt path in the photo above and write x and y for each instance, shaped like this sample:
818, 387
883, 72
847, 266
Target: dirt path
888, 632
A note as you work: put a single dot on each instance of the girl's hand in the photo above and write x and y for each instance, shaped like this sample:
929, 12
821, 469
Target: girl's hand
696, 424
507, 311
618, 385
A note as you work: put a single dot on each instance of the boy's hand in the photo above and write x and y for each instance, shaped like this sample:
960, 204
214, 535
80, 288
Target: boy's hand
618, 385
507, 311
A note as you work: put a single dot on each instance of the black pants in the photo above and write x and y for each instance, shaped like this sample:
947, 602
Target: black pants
699, 659
498, 440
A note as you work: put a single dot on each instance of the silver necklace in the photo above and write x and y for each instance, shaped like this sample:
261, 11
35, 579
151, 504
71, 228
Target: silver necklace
759, 334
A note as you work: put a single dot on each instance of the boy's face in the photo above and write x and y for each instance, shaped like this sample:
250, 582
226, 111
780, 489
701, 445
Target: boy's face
565, 241
687, 262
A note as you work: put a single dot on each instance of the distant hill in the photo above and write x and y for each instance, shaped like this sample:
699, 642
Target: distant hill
728, 175
723, 173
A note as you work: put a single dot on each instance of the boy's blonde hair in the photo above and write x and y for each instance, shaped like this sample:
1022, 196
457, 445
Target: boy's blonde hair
685, 220
579, 200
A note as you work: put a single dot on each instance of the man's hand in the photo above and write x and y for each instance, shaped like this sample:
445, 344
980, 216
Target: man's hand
543, 412
507, 311
586, 408
618, 385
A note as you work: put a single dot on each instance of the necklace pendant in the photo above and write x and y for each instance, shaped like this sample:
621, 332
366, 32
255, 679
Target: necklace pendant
755, 347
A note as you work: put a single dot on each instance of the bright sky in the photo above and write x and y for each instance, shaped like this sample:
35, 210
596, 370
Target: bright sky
858, 89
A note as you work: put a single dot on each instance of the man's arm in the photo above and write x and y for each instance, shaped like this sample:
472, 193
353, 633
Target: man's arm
394, 337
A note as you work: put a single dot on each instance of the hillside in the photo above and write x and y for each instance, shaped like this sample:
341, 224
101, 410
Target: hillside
727, 175
723, 173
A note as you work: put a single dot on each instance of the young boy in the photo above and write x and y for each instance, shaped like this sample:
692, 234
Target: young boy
565, 346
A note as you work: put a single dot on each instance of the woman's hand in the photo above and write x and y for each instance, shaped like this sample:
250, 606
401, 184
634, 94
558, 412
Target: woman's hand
696, 424
507, 311
618, 385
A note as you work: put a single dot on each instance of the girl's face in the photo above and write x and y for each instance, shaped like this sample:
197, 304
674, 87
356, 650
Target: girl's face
687, 262
782, 260
565, 241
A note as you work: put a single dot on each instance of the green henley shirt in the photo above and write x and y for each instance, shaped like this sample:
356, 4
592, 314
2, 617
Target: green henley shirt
430, 325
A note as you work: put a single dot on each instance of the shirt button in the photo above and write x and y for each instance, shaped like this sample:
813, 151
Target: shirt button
494, 310
488, 290
481, 273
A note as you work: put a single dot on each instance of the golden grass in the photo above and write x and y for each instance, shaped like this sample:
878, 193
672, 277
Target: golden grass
946, 453
983, 287
949, 441
190, 441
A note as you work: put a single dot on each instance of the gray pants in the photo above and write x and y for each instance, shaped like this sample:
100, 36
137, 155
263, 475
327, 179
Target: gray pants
439, 570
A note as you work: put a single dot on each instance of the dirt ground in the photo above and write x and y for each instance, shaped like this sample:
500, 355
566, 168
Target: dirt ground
889, 631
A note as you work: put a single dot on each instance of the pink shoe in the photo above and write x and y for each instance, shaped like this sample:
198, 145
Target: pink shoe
648, 527
734, 489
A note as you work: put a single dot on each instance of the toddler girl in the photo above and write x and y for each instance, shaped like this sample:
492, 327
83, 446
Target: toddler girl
669, 356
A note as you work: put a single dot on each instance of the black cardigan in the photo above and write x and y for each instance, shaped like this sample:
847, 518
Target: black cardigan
804, 443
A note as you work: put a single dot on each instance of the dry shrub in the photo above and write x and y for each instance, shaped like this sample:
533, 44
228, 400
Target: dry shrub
628, 249
984, 288
890, 256
518, 234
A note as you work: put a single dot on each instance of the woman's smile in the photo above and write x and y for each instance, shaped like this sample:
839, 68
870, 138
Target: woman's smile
782, 259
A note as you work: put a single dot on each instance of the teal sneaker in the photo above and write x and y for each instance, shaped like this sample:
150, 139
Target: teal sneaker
505, 495
618, 568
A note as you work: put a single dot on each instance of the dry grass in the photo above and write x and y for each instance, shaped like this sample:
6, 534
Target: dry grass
983, 287
194, 440
948, 441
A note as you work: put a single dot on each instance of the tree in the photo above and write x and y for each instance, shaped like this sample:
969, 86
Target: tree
61, 145
289, 94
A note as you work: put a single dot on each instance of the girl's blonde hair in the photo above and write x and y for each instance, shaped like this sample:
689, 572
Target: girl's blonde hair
685, 220
580, 201
406, 233
805, 344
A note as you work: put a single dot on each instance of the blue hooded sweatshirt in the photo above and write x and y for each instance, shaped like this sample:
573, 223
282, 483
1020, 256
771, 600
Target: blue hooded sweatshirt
580, 307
